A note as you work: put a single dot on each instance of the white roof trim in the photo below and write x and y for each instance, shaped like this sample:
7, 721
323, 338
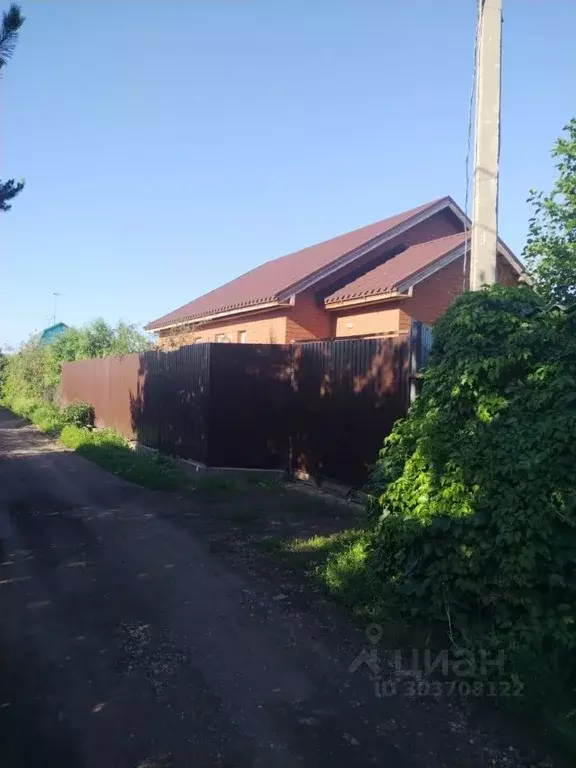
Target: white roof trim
376, 242
436, 266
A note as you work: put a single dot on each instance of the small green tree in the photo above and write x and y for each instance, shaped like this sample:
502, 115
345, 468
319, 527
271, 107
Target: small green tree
34, 371
24, 371
551, 246
96, 339
12, 21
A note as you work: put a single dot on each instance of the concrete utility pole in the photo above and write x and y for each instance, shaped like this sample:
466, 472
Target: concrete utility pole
487, 147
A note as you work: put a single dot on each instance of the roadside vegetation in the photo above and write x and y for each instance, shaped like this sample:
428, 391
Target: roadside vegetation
33, 372
106, 447
30, 380
470, 527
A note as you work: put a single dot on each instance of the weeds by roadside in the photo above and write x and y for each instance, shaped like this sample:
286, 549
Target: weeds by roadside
104, 447
111, 450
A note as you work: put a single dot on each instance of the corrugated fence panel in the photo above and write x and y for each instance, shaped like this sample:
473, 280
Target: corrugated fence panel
324, 407
348, 394
250, 387
107, 384
158, 398
170, 412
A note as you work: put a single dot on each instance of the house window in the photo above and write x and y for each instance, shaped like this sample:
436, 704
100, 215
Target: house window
242, 337
222, 338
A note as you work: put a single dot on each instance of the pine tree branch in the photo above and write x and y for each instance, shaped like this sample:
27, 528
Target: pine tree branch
12, 20
8, 191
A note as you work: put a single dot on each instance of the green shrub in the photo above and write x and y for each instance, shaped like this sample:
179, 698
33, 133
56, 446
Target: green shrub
22, 405
109, 436
73, 436
79, 413
44, 415
48, 418
473, 502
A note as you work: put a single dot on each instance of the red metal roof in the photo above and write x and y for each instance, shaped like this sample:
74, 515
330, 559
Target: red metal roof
265, 283
386, 277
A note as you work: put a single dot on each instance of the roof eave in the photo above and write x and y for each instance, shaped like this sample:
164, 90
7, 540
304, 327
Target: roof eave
203, 319
354, 301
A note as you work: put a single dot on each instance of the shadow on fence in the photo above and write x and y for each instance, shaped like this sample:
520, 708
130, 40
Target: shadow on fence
321, 407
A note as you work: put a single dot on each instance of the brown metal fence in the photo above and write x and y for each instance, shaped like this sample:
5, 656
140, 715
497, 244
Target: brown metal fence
106, 383
347, 396
323, 407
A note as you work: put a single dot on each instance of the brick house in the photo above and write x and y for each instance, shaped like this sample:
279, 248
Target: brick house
368, 282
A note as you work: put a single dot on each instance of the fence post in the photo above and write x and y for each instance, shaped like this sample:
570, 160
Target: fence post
415, 359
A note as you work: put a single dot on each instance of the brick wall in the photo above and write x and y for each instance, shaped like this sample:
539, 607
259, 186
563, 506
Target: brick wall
261, 328
432, 297
308, 319
368, 321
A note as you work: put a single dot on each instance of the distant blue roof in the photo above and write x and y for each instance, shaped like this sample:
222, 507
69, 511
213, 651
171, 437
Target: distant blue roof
48, 335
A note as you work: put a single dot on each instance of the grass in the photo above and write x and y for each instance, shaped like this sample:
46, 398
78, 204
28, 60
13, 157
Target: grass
46, 416
104, 447
336, 563
110, 450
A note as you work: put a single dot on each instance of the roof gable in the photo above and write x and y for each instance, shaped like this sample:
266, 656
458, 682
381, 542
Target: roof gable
271, 281
393, 274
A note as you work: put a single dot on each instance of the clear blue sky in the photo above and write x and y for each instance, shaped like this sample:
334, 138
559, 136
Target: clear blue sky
170, 146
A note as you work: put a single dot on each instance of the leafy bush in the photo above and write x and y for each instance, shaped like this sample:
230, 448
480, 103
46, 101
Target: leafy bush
48, 418
35, 369
79, 414
73, 436
473, 504
550, 251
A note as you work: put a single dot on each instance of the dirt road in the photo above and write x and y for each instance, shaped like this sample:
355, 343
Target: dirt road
126, 644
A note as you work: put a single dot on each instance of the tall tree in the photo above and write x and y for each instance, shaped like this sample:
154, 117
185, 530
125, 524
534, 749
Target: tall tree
12, 21
551, 247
